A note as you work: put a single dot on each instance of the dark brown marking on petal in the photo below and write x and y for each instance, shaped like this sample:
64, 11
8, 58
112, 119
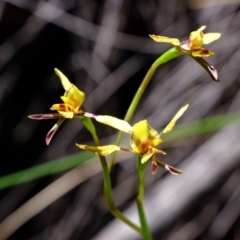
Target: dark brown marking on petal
125, 149
150, 150
82, 109
204, 52
144, 146
63, 107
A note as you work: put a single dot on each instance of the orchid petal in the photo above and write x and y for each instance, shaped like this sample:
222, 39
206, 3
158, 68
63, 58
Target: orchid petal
196, 38
53, 130
172, 123
146, 156
202, 28
71, 90
70, 101
134, 147
102, 151
169, 168
142, 131
67, 114
210, 37
202, 52
140, 137
64, 109
111, 121
74, 93
45, 116
151, 151
209, 68
157, 38
143, 136
156, 141
154, 167
64, 80
159, 151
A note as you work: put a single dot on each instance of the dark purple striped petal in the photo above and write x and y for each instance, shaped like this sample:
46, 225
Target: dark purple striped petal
45, 116
212, 71
53, 130
171, 169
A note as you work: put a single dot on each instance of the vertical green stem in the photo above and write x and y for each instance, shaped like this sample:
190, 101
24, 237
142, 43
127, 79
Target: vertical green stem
110, 201
143, 220
165, 57
108, 194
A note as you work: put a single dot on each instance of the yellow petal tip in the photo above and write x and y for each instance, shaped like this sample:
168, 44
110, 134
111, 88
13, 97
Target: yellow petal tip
64, 80
186, 106
202, 28
172, 123
57, 71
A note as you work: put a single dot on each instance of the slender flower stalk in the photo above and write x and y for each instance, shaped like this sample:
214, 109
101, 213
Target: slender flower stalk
140, 200
108, 194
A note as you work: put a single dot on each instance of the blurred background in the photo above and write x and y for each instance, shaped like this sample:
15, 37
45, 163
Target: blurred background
103, 47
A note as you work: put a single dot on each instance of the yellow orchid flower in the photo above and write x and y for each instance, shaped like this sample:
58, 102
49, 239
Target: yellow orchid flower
194, 48
72, 107
143, 141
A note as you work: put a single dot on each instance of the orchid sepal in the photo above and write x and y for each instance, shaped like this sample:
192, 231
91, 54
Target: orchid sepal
100, 150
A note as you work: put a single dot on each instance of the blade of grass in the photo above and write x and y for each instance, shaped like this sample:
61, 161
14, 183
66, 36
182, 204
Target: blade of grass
47, 196
45, 169
203, 126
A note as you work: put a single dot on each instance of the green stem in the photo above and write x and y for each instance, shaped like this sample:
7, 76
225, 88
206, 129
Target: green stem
110, 201
108, 194
165, 57
143, 220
